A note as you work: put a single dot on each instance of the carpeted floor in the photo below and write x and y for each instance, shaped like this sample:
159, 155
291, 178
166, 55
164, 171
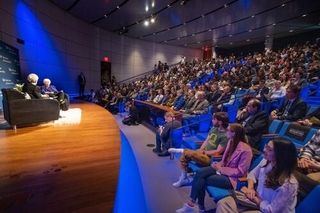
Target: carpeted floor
157, 173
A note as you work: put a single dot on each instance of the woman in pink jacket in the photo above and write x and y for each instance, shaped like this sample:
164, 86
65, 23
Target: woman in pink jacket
224, 174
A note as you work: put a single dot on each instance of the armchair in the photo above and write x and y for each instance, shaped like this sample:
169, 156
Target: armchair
20, 111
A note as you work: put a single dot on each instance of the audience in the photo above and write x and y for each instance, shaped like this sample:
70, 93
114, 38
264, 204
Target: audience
214, 144
224, 174
277, 187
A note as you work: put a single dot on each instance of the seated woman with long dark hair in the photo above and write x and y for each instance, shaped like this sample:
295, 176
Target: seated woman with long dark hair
224, 174
277, 188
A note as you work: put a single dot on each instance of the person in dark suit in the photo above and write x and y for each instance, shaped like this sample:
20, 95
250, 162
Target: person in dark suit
164, 136
224, 98
31, 88
262, 90
215, 93
293, 108
82, 84
254, 121
132, 117
48, 89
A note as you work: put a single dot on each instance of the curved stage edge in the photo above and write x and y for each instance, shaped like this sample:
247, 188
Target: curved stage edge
71, 168
130, 194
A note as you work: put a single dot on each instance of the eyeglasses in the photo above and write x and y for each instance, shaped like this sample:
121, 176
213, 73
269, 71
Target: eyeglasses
267, 147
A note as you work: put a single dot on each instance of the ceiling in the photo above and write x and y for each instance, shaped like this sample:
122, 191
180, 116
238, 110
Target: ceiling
199, 23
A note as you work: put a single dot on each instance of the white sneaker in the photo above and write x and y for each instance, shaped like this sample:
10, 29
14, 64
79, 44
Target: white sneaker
187, 209
175, 151
181, 182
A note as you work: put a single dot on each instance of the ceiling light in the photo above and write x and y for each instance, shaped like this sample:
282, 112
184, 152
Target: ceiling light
304, 15
123, 31
146, 23
152, 20
147, 8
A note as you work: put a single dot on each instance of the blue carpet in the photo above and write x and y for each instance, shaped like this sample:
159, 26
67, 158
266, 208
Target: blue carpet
130, 195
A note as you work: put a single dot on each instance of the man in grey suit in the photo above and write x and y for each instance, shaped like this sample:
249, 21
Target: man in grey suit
191, 115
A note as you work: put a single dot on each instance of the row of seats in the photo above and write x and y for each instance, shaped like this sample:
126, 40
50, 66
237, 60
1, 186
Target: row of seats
295, 132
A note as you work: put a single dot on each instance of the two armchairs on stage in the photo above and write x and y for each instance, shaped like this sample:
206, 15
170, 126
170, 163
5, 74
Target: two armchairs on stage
18, 110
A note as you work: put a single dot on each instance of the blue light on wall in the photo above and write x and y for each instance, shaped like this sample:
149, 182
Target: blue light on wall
40, 52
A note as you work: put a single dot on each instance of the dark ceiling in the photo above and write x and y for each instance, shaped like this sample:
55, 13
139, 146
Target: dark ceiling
199, 23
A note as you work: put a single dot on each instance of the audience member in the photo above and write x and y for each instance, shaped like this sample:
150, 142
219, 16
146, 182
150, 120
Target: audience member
293, 108
179, 100
163, 135
309, 158
278, 91
312, 119
224, 98
132, 117
254, 121
224, 174
214, 144
276, 185
51, 91
191, 115
262, 91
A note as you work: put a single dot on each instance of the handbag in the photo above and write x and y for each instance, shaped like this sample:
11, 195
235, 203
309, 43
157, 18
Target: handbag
242, 200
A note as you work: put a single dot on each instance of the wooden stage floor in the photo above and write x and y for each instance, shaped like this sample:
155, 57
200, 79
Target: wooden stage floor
71, 168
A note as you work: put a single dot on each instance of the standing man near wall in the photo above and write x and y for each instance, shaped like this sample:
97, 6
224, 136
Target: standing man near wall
82, 84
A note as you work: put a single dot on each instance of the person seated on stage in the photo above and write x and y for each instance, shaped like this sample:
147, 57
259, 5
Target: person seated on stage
312, 119
223, 174
254, 121
309, 158
163, 135
31, 87
214, 144
132, 117
51, 91
293, 108
191, 115
277, 186
179, 100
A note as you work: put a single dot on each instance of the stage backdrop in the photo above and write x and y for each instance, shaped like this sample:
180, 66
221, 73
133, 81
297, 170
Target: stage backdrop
9, 67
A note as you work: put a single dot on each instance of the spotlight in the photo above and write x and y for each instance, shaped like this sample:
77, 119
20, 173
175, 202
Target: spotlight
123, 31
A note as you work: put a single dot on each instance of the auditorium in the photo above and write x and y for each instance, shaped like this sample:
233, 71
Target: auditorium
159, 106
